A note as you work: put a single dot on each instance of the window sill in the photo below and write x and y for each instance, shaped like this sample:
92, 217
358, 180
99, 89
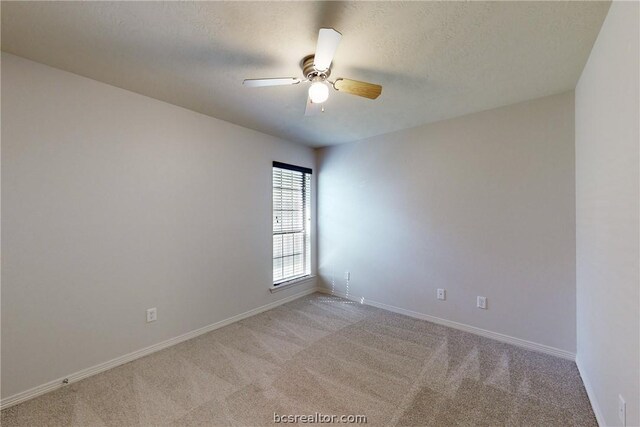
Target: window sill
294, 282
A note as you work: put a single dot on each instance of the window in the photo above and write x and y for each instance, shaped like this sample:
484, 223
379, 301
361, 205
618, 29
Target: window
291, 222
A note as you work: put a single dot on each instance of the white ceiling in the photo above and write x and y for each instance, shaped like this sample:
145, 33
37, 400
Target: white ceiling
435, 60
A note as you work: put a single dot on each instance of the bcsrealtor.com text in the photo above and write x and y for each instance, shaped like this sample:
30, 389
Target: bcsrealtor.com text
319, 418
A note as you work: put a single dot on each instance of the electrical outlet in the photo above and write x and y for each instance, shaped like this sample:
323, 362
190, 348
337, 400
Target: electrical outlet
152, 314
347, 275
482, 303
622, 410
442, 294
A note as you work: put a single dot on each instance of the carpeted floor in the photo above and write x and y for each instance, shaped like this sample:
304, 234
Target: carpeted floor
322, 354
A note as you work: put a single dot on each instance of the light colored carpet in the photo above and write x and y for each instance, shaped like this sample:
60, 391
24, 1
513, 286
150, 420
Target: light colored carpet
327, 355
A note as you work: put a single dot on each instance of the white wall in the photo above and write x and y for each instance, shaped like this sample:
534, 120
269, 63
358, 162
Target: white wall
480, 205
607, 158
112, 203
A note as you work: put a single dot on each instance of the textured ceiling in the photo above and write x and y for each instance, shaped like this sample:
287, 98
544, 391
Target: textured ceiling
435, 60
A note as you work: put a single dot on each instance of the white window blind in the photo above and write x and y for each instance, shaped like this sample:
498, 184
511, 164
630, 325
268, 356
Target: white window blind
291, 222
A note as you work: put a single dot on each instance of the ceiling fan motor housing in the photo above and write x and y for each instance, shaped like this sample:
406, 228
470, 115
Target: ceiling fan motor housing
309, 70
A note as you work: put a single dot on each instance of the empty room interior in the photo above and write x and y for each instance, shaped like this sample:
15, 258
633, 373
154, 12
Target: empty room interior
364, 213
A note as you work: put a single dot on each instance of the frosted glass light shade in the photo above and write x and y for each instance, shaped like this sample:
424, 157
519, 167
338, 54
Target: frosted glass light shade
318, 92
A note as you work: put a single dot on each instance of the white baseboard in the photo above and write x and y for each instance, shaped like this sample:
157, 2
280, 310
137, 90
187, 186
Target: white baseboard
590, 393
80, 375
461, 326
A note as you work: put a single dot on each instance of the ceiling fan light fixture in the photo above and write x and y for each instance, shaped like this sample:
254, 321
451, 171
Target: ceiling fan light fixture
316, 70
318, 91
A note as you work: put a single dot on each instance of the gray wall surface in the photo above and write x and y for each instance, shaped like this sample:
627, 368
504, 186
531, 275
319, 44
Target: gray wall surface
481, 205
113, 203
607, 194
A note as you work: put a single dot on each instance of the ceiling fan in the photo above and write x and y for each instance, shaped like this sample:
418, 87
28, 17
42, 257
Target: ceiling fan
317, 69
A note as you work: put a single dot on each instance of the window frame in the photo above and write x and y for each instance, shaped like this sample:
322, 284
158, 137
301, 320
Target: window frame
306, 221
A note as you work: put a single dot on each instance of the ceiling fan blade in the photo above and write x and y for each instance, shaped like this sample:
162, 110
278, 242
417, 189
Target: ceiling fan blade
354, 87
281, 81
313, 108
328, 40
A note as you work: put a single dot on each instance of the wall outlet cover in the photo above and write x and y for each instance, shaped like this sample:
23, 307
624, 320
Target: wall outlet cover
152, 314
441, 294
622, 410
482, 303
